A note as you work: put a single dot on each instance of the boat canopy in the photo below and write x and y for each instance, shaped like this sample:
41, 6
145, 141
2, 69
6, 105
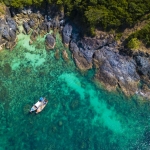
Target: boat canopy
38, 104
41, 98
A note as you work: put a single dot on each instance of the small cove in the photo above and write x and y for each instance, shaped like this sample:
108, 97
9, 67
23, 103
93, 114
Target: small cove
79, 114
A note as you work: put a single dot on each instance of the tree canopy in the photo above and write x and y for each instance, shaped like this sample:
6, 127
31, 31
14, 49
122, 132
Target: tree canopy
106, 14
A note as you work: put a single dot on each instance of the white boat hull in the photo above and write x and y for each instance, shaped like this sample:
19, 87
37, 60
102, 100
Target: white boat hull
39, 106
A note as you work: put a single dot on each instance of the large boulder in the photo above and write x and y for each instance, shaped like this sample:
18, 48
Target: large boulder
11, 23
56, 23
92, 43
143, 64
67, 31
49, 25
12, 34
49, 41
5, 33
82, 63
43, 26
115, 70
26, 27
31, 23
8, 29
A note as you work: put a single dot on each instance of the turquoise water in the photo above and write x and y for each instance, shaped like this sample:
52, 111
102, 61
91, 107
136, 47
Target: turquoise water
79, 114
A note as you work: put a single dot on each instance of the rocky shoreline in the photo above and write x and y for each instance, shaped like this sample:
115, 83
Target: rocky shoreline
113, 69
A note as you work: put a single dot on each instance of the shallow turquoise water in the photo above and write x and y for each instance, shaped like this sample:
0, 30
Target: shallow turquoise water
79, 115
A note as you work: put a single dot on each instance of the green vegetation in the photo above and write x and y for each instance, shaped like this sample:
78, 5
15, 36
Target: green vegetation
142, 35
104, 14
21, 3
133, 44
2, 8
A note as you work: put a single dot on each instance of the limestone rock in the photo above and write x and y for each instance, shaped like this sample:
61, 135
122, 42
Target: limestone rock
67, 31
12, 24
49, 41
79, 58
143, 64
65, 56
115, 70
12, 35
5, 33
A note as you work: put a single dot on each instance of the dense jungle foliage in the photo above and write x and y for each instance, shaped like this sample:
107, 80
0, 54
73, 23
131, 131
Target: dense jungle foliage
142, 34
104, 14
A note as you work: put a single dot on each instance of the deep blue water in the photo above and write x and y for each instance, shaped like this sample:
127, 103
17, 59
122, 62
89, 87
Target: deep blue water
79, 114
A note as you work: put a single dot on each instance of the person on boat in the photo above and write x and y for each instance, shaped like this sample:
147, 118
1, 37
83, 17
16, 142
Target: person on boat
41, 99
45, 101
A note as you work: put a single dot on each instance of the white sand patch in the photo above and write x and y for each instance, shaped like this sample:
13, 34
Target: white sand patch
36, 59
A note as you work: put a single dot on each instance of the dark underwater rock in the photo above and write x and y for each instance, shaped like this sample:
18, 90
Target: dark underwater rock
49, 41
57, 55
7, 69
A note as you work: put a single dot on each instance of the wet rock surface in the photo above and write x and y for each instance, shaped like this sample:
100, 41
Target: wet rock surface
11, 23
26, 27
49, 41
8, 29
115, 70
67, 31
79, 58
143, 64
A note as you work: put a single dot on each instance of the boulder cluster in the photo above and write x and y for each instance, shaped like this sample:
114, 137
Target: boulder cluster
35, 23
8, 30
115, 70
112, 69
